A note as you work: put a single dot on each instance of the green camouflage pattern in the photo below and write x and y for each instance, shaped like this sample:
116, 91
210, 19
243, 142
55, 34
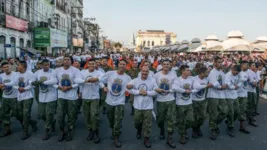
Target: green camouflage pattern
218, 110
185, 118
251, 104
166, 113
24, 113
243, 108
46, 112
8, 109
233, 113
91, 112
133, 72
115, 115
200, 112
257, 99
143, 119
69, 108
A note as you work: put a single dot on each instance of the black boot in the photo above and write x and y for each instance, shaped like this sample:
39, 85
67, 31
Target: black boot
252, 123
183, 139
231, 132
96, 137
138, 134
213, 135
217, 130
61, 135
46, 135
194, 133
162, 134
25, 134
34, 125
117, 142
7, 131
90, 135
147, 142
243, 128
69, 135
132, 112
170, 142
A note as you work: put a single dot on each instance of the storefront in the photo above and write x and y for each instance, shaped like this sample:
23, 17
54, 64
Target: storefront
53, 40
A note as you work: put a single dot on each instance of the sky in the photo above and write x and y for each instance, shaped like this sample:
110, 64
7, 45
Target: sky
120, 19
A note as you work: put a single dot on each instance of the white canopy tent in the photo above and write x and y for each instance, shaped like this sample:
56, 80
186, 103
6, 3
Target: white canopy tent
260, 45
211, 44
235, 42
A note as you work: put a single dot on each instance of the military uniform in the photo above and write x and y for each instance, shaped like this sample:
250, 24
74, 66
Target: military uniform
133, 73
103, 94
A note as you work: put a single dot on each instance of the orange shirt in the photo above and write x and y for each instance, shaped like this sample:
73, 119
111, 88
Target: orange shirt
155, 64
110, 63
129, 65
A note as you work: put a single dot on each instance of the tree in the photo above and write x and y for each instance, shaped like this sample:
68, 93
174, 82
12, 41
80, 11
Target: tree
118, 45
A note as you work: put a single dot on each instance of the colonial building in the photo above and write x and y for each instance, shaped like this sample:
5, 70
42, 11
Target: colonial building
15, 26
151, 38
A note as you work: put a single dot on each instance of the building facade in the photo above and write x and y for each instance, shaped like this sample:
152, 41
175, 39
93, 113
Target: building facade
151, 38
15, 26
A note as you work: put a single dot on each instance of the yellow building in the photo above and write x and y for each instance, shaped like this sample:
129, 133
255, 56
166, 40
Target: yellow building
151, 38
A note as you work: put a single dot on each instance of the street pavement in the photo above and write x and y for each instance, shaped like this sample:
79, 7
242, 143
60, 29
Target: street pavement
256, 140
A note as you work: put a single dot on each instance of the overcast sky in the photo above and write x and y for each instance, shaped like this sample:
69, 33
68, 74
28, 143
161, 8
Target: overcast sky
119, 19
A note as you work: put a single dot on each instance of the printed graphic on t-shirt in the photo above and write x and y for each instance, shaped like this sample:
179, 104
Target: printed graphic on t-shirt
186, 96
143, 87
65, 81
164, 84
116, 87
43, 87
8, 89
21, 82
201, 93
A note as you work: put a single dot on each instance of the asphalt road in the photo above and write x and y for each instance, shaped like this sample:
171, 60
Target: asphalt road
256, 140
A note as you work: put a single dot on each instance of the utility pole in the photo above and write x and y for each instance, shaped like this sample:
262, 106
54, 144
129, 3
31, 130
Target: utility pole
71, 32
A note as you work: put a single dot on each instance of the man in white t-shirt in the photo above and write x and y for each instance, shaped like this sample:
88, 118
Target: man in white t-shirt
9, 97
143, 89
116, 87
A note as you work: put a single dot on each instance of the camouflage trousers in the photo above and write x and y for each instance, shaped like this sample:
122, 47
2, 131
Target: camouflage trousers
200, 112
143, 119
115, 115
9, 108
24, 113
233, 113
166, 113
103, 96
185, 118
243, 108
251, 105
218, 111
46, 112
257, 99
91, 111
69, 108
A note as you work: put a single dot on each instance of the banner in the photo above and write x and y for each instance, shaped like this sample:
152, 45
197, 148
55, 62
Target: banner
41, 37
58, 38
16, 23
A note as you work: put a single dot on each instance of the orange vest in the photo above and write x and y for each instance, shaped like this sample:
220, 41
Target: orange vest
155, 64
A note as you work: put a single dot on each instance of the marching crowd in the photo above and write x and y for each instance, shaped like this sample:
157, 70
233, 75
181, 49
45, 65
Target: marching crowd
186, 90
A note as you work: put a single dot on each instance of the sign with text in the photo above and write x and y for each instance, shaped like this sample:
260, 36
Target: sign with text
58, 38
41, 37
16, 23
